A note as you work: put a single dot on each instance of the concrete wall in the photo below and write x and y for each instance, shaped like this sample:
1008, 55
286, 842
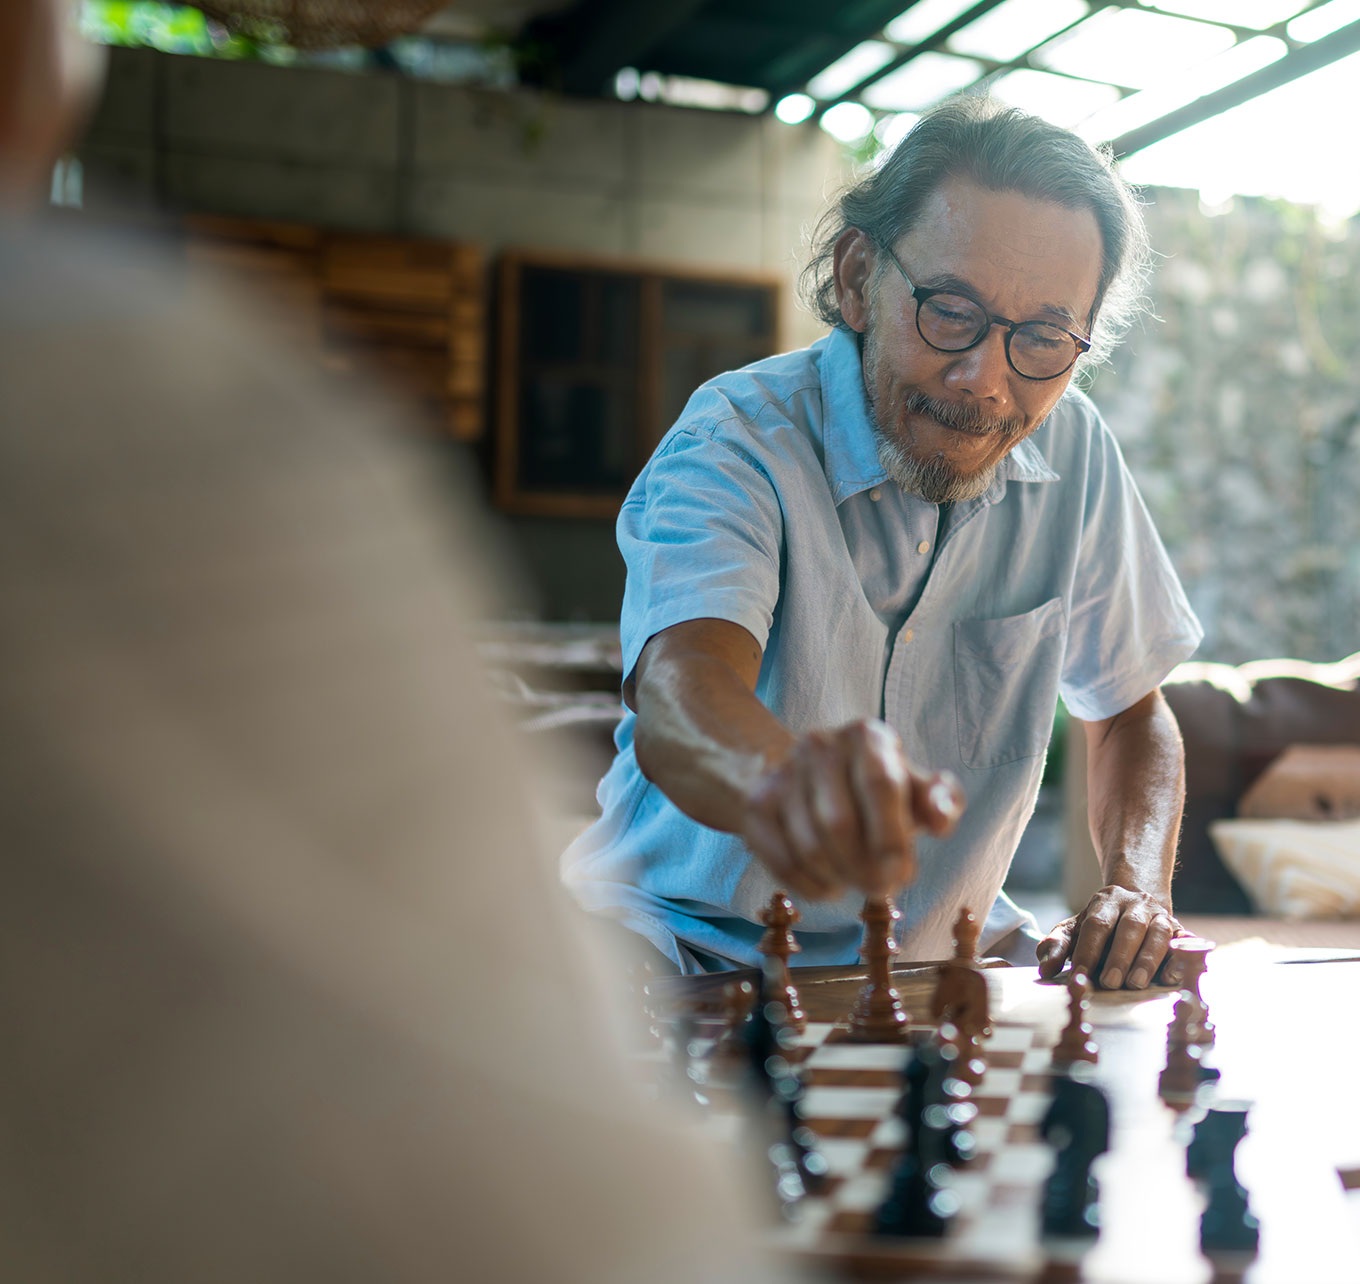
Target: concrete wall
379, 152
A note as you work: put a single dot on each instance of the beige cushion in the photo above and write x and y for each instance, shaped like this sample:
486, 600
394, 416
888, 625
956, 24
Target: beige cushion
1294, 868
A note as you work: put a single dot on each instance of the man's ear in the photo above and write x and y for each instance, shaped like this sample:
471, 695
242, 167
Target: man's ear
854, 266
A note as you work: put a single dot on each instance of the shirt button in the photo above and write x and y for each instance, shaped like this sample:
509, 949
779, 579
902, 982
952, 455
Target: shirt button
875, 494
923, 546
908, 634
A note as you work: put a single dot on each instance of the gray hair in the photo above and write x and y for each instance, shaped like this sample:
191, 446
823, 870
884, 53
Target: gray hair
1004, 150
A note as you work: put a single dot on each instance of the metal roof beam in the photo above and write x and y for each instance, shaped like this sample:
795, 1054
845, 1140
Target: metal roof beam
1345, 40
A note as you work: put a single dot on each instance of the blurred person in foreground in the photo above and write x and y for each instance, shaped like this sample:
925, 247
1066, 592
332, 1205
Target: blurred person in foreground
287, 989
861, 574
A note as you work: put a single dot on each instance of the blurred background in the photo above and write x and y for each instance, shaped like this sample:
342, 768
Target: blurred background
543, 224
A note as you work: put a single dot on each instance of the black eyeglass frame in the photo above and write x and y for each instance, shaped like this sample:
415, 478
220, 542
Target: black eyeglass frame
921, 294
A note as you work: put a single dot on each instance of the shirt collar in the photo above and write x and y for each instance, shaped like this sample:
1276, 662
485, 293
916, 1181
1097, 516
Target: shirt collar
851, 457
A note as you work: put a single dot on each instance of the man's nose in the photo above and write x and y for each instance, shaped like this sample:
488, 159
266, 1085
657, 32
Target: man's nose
982, 371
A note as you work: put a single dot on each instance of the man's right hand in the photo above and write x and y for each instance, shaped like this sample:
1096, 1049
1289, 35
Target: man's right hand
842, 810
823, 811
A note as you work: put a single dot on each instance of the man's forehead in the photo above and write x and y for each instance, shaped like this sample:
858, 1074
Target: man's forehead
1005, 242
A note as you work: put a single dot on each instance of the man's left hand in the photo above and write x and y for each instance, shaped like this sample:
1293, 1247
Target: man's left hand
1118, 940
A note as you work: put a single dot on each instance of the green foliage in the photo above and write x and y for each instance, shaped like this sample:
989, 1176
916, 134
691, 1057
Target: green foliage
171, 28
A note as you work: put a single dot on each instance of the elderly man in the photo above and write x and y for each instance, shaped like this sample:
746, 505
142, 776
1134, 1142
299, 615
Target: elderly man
896, 549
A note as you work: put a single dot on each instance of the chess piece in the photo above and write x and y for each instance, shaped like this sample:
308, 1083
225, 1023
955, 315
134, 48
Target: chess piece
961, 991
774, 1092
1076, 1043
642, 1001
1189, 958
921, 1201
1077, 1126
778, 943
879, 1015
738, 1000
970, 1064
1227, 1226
1187, 1070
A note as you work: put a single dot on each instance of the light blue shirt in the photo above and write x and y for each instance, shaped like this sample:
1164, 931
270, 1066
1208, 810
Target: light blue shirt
766, 505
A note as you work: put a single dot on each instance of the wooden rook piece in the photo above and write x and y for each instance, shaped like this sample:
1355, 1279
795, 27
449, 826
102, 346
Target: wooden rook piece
778, 943
961, 991
1076, 1043
879, 1015
1190, 958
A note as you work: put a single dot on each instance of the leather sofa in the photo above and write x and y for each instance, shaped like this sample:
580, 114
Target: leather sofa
1235, 720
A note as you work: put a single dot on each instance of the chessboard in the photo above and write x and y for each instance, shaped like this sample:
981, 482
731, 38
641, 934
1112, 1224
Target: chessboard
1149, 1208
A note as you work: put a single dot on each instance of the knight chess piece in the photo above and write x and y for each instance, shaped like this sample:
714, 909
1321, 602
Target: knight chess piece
1076, 1044
960, 996
780, 917
879, 1015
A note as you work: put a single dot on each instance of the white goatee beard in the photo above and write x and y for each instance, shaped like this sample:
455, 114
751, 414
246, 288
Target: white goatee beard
932, 480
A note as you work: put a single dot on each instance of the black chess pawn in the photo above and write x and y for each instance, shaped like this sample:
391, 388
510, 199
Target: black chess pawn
774, 1091
1227, 1225
1077, 1126
921, 1201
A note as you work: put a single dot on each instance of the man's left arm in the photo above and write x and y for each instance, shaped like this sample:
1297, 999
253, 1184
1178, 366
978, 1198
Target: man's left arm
1136, 789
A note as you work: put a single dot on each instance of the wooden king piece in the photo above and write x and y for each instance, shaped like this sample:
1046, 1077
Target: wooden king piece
879, 1015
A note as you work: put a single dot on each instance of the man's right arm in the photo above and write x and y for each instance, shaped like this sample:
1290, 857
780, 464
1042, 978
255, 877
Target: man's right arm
823, 811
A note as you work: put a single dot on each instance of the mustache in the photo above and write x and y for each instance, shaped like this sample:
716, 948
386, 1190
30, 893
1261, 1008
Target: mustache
962, 416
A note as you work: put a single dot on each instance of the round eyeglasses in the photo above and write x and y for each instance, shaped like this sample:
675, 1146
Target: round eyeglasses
949, 322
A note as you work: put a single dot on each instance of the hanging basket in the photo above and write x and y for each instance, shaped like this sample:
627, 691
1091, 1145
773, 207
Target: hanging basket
321, 24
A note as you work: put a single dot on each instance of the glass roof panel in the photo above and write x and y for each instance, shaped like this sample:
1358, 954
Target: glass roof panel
1016, 26
1323, 20
1133, 48
849, 69
1137, 109
924, 19
1060, 99
891, 130
1261, 148
1258, 14
921, 82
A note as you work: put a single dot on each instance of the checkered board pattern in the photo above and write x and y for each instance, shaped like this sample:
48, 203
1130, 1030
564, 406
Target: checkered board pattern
852, 1090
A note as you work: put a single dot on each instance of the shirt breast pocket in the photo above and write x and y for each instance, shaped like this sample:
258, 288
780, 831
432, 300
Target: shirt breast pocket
1006, 676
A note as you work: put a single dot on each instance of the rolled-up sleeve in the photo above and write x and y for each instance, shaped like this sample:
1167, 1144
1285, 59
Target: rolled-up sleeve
701, 533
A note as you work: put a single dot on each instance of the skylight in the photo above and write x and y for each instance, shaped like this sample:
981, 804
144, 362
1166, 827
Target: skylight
922, 82
1016, 26
1132, 48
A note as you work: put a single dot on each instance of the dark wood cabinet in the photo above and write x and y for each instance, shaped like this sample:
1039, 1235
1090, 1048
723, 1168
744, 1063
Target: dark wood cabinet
595, 361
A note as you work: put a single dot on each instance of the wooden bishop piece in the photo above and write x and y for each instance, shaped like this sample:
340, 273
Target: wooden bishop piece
780, 916
1076, 1043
